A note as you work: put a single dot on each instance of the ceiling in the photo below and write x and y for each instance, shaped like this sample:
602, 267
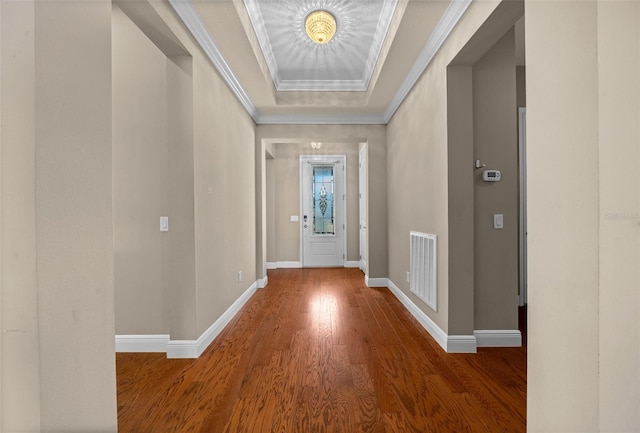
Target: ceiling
344, 64
362, 75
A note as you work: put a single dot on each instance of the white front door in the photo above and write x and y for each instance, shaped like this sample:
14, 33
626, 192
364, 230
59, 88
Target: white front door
323, 225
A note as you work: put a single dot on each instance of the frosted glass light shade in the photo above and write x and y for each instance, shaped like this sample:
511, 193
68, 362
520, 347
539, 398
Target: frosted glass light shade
320, 26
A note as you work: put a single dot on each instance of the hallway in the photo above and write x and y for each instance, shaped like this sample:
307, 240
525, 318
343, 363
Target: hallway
318, 351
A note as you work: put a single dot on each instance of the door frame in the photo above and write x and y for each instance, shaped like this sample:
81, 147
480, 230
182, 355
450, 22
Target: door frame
363, 215
522, 187
304, 159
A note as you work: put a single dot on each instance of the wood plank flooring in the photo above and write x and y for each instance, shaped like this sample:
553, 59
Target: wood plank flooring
317, 351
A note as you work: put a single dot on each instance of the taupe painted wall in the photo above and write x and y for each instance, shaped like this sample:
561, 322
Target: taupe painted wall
417, 168
285, 190
460, 199
224, 194
270, 168
495, 143
74, 216
374, 135
521, 86
187, 146
19, 345
140, 179
179, 263
584, 249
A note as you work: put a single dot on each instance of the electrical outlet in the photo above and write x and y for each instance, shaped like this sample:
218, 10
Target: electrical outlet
408, 277
239, 276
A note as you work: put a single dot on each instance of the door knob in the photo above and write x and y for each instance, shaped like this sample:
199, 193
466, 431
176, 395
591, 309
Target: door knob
305, 226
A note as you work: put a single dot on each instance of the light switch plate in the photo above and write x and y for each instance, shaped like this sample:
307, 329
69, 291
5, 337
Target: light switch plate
295, 218
164, 224
498, 221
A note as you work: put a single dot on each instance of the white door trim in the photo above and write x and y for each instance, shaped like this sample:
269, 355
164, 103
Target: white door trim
342, 159
522, 160
362, 207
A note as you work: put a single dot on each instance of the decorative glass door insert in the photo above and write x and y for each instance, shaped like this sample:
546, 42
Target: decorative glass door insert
323, 200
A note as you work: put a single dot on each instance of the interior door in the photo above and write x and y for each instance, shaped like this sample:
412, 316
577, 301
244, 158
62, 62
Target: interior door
362, 187
322, 184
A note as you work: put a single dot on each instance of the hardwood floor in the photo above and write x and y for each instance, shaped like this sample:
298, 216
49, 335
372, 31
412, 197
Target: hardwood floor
318, 351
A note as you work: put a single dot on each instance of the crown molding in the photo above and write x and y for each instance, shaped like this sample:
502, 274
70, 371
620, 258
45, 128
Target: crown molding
285, 119
194, 24
321, 86
359, 85
447, 23
192, 21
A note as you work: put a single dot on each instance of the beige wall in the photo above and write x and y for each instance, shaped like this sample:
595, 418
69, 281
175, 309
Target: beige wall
285, 192
19, 346
495, 143
584, 249
74, 216
224, 195
189, 154
460, 199
179, 263
417, 152
140, 178
521, 86
619, 168
374, 135
270, 169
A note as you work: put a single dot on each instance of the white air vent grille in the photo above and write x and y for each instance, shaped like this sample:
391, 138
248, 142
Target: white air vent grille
422, 270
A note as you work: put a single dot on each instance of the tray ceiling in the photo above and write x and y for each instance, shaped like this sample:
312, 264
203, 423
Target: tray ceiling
344, 64
361, 76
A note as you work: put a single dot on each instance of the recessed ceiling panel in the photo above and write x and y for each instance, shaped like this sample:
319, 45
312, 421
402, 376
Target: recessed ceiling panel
345, 63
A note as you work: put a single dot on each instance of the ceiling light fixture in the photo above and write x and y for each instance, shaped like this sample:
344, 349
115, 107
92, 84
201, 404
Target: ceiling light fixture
315, 145
320, 26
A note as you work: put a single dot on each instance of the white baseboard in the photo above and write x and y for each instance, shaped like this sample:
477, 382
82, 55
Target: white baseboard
194, 348
294, 265
262, 283
141, 343
281, 265
450, 343
182, 349
461, 344
376, 282
498, 338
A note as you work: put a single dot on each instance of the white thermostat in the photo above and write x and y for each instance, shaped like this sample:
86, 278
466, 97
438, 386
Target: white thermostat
491, 175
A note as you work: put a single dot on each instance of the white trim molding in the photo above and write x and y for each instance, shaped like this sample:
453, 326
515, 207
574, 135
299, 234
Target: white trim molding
450, 343
376, 282
328, 119
292, 265
284, 265
262, 283
141, 343
498, 338
194, 348
351, 264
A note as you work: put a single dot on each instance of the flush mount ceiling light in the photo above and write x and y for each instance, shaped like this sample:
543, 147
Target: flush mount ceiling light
320, 26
